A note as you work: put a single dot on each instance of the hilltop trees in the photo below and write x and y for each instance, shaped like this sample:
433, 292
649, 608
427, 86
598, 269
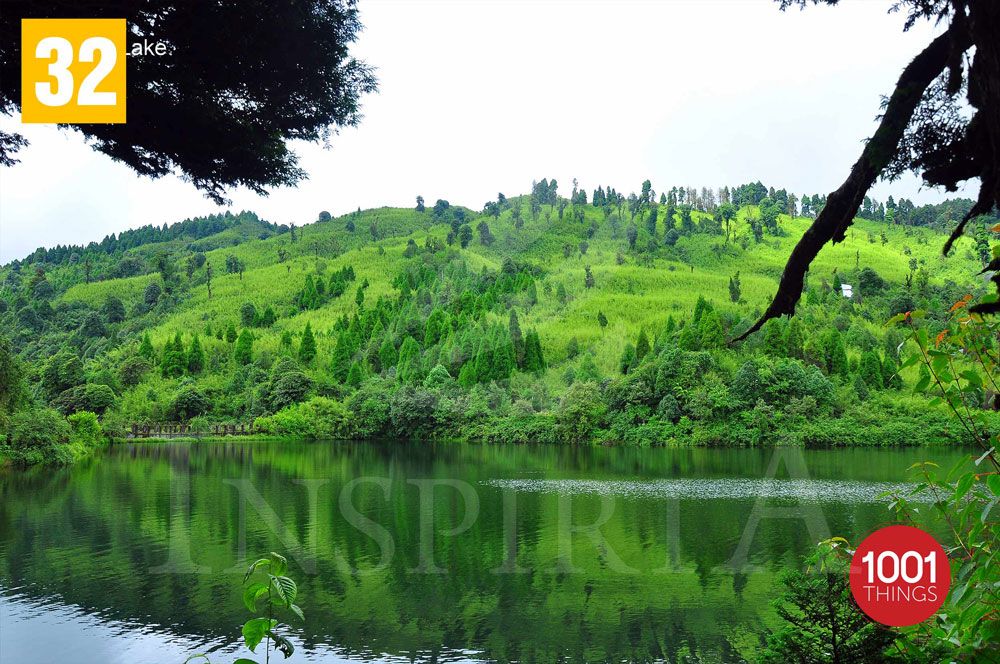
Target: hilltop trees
922, 130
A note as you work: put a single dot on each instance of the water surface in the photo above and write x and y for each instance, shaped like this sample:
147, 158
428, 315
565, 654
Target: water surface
426, 552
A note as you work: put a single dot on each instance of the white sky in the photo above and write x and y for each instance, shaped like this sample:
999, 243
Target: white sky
478, 97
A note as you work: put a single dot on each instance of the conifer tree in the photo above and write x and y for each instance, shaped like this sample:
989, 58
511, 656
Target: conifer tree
822, 623
870, 370
890, 374
356, 375
774, 339
342, 356
517, 338
628, 359
835, 354
174, 359
794, 338
146, 347
735, 291
231, 333
307, 345
195, 357
387, 354
711, 332
243, 353
641, 346
409, 361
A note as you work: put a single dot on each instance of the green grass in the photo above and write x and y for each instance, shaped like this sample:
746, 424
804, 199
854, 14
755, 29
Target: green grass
638, 294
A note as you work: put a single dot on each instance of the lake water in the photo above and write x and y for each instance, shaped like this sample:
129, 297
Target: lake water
426, 552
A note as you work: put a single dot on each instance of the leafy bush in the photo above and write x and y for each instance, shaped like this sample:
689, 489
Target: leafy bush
93, 397
319, 417
189, 402
86, 430
581, 411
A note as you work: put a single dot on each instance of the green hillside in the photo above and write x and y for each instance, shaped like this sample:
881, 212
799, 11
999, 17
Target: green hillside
414, 335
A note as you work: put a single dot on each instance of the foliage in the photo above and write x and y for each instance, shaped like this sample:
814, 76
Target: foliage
961, 370
821, 621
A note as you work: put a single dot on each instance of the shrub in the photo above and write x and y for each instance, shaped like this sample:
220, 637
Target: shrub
86, 430
412, 412
318, 417
38, 428
93, 397
370, 409
189, 402
580, 412
132, 370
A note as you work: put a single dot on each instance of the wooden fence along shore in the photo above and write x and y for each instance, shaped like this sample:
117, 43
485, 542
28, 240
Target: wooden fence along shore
176, 430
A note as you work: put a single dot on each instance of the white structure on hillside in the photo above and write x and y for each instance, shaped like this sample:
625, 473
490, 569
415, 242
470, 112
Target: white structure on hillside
847, 290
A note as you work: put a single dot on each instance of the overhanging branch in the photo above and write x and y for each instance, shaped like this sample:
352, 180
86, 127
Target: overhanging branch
833, 221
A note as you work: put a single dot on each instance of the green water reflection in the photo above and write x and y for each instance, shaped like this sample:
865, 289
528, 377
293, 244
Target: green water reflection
144, 541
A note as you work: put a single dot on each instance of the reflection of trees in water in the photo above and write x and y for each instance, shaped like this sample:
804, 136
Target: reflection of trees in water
90, 534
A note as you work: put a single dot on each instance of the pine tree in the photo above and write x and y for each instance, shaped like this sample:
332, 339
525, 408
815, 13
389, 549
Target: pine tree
195, 357
533, 359
174, 359
822, 623
307, 345
342, 356
628, 359
688, 339
700, 307
231, 333
870, 370
602, 320
309, 297
588, 278
666, 334
835, 354
641, 346
517, 338
146, 347
774, 338
244, 347
710, 330
433, 327
794, 339
467, 375
387, 354
890, 374
734, 288
356, 375
409, 361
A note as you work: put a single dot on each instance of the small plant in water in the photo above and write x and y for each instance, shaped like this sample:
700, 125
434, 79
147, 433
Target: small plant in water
269, 592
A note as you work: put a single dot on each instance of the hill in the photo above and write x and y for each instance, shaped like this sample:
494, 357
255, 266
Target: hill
541, 318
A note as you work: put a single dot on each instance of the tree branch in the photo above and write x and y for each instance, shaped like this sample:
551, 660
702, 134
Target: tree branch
842, 204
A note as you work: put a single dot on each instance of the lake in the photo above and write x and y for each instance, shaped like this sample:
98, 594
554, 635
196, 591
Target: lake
427, 552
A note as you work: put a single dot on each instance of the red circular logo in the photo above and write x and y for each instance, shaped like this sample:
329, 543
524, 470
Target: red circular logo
900, 576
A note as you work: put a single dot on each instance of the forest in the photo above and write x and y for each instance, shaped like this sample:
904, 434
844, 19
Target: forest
592, 317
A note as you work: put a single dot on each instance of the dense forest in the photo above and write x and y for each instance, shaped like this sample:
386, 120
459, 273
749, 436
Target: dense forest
594, 317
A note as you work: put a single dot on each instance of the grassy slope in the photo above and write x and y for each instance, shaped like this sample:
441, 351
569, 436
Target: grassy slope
638, 294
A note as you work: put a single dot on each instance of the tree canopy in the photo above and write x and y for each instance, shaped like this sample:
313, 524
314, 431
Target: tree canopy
219, 111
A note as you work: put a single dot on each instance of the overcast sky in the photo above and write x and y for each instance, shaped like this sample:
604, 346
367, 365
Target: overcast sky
478, 97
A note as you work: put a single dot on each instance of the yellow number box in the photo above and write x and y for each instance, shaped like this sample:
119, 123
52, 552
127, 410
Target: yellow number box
73, 70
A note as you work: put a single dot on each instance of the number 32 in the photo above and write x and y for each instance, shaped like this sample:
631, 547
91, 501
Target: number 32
59, 70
